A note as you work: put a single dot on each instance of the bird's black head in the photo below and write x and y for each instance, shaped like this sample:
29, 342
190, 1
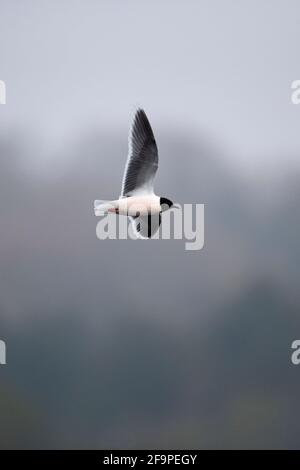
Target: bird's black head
165, 204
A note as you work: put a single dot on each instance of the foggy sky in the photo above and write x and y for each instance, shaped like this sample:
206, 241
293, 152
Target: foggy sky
221, 67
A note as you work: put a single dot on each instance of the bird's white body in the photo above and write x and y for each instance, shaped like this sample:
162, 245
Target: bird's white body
130, 206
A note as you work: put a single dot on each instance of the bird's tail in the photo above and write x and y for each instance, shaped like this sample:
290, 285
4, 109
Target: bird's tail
102, 207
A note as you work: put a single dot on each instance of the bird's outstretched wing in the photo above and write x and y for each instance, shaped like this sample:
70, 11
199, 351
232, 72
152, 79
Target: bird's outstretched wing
146, 226
142, 161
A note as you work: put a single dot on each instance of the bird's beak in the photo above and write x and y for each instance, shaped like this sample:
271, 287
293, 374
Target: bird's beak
176, 206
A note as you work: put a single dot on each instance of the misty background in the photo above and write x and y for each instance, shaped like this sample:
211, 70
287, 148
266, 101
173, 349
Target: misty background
141, 344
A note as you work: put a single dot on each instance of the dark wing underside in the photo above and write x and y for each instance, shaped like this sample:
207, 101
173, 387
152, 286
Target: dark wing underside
146, 226
142, 161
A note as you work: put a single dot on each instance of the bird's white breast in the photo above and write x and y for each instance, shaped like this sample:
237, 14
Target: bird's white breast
139, 205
